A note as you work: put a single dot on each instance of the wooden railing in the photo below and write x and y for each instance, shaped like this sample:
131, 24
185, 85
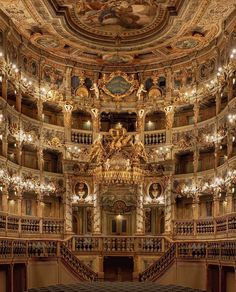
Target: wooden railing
118, 244
225, 226
160, 266
192, 250
26, 249
76, 266
10, 225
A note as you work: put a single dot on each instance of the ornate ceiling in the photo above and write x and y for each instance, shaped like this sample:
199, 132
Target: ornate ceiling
118, 32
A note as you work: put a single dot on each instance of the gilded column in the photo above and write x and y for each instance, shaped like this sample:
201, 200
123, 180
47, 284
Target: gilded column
218, 102
139, 211
95, 122
97, 211
195, 207
18, 152
39, 203
40, 159
141, 123
229, 199
196, 110
5, 199
18, 101
19, 202
169, 207
40, 109
68, 108
229, 144
169, 111
68, 207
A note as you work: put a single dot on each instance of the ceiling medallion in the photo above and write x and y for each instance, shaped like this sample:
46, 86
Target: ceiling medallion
118, 84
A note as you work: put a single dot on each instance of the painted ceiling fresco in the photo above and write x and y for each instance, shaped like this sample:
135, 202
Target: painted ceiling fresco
117, 32
115, 16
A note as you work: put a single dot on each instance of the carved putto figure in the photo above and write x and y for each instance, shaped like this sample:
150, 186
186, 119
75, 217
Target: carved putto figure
140, 91
96, 90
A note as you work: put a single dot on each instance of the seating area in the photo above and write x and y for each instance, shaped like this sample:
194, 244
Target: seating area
114, 287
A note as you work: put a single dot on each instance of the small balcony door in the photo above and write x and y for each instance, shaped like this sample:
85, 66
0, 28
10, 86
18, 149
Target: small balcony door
119, 225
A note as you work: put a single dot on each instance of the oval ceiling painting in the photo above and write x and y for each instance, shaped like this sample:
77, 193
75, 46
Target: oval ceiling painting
115, 15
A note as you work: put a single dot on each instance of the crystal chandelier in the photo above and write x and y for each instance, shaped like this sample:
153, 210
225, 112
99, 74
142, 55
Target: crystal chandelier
27, 184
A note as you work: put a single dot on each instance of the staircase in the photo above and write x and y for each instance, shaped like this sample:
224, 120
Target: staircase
160, 266
74, 265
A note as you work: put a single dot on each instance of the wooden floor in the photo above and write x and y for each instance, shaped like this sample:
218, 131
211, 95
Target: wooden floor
113, 287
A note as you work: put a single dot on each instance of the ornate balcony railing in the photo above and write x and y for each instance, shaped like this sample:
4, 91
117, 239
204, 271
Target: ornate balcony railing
118, 244
219, 226
155, 138
10, 225
82, 137
195, 250
26, 249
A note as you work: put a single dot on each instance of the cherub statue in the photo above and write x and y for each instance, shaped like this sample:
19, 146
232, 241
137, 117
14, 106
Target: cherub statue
140, 91
96, 90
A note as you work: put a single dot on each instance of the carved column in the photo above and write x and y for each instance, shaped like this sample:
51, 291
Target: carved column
97, 211
196, 110
230, 88
4, 87
5, 199
216, 205
68, 121
40, 109
68, 81
196, 207
169, 111
18, 152
19, 202
229, 200
18, 101
95, 122
218, 102
169, 207
168, 73
40, 158
68, 207
139, 211
39, 203
229, 144
141, 123
4, 145
195, 159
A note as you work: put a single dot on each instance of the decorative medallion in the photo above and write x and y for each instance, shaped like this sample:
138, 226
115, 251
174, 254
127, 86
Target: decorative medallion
118, 84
